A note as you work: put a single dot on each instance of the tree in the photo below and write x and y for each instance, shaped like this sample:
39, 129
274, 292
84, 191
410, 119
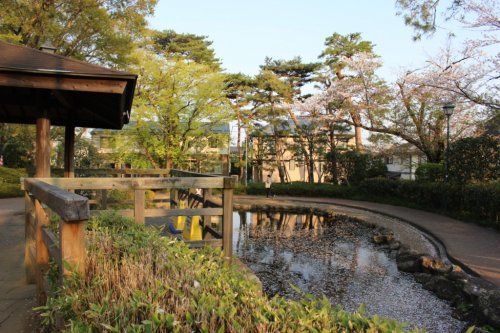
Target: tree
296, 74
17, 145
423, 15
177, 105
238, 90
269, 98
339, 49
100, 31
189, 47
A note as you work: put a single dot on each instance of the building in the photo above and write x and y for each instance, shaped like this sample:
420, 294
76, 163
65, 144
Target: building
209, 153
403, 160
277, 149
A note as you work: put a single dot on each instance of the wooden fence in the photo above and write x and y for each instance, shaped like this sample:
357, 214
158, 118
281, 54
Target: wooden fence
57, 195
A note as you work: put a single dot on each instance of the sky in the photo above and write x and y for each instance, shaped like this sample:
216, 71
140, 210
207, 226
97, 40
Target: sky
245, 32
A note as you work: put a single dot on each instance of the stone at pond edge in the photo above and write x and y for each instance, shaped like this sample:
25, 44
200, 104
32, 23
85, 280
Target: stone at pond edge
489, 306
433, 266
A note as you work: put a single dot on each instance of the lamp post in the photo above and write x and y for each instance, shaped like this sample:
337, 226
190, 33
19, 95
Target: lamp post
448, 109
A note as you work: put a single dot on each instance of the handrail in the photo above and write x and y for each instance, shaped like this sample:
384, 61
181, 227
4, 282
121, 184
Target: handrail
183, 173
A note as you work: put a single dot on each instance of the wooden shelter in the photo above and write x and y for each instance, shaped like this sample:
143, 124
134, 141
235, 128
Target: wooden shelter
47, 89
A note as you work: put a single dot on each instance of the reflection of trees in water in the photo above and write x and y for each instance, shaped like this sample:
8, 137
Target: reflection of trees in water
320, 255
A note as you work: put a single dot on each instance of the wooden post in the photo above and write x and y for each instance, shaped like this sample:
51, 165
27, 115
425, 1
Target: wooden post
225, 164
104, 199
139, 206
69, 151
227, 217
42, 154
42, 253
72, 247
42, 164
207, 193
174, 198
29, 239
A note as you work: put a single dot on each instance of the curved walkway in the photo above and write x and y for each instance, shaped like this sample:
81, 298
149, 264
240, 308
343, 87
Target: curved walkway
473, 246
16, 296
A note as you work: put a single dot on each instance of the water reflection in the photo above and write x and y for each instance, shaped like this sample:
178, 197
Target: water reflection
334, 257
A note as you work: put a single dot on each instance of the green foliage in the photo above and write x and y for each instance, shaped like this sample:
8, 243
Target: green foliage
138, 281
430, 172
476, 203
475, 159
100, 31
177, 107
10, 185
17, 145
174, 45
353, 166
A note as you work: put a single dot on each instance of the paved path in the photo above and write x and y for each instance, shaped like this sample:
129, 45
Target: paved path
476, 247
16, 297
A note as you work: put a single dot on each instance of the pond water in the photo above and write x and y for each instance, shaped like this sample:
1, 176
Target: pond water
335, 258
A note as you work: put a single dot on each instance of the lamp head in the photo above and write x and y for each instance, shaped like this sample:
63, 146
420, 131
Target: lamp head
448, 108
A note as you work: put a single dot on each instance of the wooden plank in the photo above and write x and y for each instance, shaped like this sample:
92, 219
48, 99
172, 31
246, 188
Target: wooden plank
160, 212
52, 244
69, 151
182, 173
153, 183
29, 239
62, 83
227, 222
42, 253
69, 206
122, 212
139, 206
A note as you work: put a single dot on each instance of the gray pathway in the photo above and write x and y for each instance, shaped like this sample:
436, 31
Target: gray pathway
16, 297
476, 247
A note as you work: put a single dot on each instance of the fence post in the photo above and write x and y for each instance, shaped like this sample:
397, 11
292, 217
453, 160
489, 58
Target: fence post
30, 239
72, 247
227, 217
174, 198
139, 206
104, 199
42, 253
207, 194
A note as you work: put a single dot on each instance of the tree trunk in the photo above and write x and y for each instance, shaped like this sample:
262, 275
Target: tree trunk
358, 138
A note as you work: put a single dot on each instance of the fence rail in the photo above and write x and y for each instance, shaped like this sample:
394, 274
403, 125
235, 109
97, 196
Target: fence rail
74, 210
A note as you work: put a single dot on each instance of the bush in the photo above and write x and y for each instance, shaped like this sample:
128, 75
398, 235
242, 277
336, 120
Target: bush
10, 182
138, 281
430, 172
474, 160
474, 202
353, 166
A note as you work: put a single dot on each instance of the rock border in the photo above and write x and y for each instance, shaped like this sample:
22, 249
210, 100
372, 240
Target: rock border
474, 299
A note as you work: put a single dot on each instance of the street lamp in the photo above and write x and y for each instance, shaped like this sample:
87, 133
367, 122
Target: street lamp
448, 109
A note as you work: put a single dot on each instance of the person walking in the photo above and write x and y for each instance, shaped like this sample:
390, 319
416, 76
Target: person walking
268, 185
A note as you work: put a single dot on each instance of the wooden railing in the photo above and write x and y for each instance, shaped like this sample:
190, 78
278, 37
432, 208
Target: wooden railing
73, 210
41, 243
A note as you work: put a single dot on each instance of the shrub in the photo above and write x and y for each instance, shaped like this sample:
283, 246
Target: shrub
353, 166
10, 182
474, 160
430, 172
474, 202
138, 281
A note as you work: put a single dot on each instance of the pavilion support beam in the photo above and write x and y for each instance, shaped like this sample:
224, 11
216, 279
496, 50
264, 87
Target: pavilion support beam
42, 156
69, 151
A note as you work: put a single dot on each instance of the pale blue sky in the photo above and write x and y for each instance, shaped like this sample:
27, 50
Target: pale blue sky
244, 32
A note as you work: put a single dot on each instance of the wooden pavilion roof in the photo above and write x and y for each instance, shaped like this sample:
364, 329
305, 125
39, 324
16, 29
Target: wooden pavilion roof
67, 91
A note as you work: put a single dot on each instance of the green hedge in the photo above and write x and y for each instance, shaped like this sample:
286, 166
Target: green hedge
10, 185
138, 281
478, 203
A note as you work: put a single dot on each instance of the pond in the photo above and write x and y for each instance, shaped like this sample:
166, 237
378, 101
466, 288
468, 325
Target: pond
335, 257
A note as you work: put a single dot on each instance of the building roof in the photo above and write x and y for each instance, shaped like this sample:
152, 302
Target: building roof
288, 128
68, 91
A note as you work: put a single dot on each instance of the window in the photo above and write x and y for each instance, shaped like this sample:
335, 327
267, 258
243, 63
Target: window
106, 142
213, 142
389, 160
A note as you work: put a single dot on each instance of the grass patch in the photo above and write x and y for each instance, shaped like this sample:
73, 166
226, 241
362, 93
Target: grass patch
138, 281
